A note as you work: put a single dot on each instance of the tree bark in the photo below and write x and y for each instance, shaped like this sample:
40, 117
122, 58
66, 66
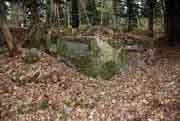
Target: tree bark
131, 15
68, 14
114, 3
102, 12
4, 30
7, 36
54, 11
84, 6
172, 20
151, 4
75, 13
33, 7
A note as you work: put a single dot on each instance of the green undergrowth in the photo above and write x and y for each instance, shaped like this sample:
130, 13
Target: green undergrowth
103, 61
96, 70
30, 108
31, 56
101, 64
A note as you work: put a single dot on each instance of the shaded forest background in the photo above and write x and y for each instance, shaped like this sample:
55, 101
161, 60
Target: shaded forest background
127, 15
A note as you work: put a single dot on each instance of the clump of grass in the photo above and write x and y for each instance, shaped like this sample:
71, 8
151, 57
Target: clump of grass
89, 67
108, 69
82, 63
24, 109
44, 105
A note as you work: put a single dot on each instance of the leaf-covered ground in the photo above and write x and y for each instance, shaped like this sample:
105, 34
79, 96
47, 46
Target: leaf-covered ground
49, 90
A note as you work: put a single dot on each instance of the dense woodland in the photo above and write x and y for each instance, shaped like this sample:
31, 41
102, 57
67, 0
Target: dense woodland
115, 12
89, 60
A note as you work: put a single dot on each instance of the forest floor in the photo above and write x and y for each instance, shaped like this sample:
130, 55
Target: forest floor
50, 91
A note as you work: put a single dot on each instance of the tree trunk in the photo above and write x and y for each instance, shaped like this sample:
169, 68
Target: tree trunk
75, 13
172, 20
114, 3
33, 7
130, 12
34, 14
68, 14
102, 12
151, 5
51, 11
7, 36
83, 4
54, 11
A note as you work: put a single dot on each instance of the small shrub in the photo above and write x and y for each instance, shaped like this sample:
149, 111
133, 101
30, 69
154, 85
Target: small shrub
37, 36
108, 69
82, 63
62, 49
31, 56
44, 105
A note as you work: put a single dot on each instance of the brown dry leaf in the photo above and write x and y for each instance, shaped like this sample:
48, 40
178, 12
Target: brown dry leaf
148, 92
